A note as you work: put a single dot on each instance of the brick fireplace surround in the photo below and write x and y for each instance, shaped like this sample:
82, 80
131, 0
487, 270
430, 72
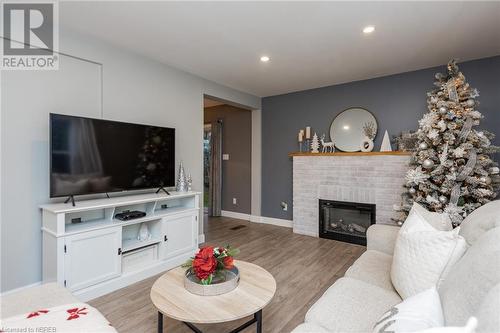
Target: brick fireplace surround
374, 178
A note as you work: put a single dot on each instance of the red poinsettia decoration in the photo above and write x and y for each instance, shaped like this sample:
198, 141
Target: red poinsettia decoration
204, 263
211, 261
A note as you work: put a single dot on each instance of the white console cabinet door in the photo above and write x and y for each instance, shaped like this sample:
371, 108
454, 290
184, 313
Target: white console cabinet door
179, 235
92, 257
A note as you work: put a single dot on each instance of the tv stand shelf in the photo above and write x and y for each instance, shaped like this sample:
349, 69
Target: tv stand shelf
100, 253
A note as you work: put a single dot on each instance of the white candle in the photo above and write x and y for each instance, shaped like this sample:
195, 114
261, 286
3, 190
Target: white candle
301, 134
308, 132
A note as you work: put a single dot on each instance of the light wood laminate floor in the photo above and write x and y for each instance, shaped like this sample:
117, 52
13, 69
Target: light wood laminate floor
304, 267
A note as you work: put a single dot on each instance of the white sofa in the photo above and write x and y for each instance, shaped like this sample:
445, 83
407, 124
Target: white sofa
355, 302
15, 307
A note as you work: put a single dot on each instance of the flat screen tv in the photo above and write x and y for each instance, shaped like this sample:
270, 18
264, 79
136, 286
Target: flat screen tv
90, 156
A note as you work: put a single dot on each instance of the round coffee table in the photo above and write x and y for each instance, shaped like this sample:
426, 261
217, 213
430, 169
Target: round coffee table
255, 290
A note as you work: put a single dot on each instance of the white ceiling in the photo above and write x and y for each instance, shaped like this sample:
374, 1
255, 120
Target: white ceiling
311, 44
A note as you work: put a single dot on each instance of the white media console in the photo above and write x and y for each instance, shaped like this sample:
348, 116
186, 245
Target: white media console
101, 254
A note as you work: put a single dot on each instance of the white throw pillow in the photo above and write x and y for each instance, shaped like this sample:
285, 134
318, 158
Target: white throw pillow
419, 312
439, 221
423, 254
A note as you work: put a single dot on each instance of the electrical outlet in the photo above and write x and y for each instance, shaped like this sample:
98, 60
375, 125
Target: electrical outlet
225, 157
284, 206
234, 201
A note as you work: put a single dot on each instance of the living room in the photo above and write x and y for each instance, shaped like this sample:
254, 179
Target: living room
358, 194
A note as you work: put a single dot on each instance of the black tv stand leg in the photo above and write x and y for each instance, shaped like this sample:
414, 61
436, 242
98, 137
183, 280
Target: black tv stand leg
162, 189
72, 199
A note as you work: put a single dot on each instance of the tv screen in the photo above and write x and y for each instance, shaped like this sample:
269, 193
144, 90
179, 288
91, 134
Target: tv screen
97, 156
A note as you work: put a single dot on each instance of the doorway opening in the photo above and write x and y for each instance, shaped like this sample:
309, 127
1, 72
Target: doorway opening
227, 164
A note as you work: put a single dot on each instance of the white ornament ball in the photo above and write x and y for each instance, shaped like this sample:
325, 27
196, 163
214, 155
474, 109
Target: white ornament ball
443, 110
428, 164
423, 145
412, 190
442, 199
485, 180
471, 102
494, 170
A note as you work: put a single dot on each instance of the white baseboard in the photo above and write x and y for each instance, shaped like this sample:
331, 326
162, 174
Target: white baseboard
12, 291
235, 215
255, 218
258, 219
275, 221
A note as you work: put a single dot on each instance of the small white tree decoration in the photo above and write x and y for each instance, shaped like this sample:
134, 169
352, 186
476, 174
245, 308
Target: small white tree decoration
315, 144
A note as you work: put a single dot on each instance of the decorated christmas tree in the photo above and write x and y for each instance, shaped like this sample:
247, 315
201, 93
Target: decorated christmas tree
451, 170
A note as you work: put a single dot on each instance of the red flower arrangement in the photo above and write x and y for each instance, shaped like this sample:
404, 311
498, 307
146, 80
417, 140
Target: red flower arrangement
211, 262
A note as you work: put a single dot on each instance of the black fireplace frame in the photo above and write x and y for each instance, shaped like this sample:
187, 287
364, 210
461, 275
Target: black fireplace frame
349, 205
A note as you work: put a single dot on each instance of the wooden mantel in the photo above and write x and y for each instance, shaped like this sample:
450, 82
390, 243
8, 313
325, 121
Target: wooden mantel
358, 153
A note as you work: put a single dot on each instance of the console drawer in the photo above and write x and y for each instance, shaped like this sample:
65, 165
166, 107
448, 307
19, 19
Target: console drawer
137, 259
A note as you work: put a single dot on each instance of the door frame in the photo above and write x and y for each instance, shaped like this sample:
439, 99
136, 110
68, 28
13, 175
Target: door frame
256, 157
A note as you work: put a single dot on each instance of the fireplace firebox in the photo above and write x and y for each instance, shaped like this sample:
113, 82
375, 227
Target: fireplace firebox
345, 221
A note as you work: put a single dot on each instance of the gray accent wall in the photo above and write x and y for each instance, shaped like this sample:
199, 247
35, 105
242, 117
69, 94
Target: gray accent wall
237, 142
397, 101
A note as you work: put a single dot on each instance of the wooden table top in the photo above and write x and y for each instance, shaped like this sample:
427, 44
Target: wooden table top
255, 290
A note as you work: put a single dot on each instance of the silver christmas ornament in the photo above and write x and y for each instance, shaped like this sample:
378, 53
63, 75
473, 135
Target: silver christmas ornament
442, 199
494, 170
485, 180
471, 102
428, 163
443, 110
412, 190
423, 145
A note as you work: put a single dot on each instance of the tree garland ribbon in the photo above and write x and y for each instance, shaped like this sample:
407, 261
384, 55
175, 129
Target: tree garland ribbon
466, 128
469, 167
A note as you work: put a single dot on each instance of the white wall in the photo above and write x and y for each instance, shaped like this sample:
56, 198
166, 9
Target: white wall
134, 89
256, 162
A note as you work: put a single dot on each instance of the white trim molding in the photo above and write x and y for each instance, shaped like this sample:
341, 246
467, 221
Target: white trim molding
275, 221
12, 291
201, 238
258, 219
235, 215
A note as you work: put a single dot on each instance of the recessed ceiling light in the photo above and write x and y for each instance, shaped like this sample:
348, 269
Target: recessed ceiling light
346, 127
264, 58
369, 29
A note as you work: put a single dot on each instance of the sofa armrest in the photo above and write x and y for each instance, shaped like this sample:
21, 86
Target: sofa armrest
38, 297
382, 237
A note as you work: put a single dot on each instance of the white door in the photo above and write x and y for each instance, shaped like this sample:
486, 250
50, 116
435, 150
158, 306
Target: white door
180, 234
92, 257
